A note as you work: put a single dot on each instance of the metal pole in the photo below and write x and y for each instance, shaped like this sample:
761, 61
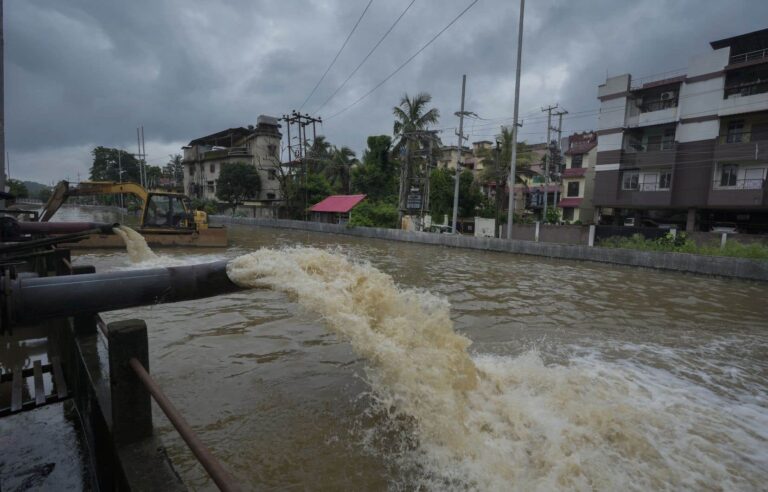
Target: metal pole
558, 179
546, 165
513, 164
458, 159
120, 180
144, 157
2, 106
220, 476
138, 154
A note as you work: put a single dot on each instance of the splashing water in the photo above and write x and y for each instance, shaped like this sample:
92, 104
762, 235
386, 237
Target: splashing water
138, 250
501, 423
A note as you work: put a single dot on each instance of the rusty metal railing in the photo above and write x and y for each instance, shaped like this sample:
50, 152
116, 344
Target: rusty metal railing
218, 474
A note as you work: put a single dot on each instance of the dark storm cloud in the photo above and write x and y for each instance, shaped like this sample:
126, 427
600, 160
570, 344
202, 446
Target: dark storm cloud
86, 73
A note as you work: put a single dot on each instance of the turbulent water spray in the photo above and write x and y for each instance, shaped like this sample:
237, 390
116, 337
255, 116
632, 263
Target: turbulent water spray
138, 250
501, 423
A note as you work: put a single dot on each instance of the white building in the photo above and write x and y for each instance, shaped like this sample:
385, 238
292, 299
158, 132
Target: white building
260, 146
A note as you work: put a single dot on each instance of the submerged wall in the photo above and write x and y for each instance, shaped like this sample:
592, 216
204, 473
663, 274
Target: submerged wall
683, 262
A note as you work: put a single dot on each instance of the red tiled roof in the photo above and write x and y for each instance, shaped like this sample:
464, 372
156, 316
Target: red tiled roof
569, 202
340, 204
574, 172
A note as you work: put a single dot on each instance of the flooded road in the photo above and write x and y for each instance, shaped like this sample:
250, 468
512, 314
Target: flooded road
591, 376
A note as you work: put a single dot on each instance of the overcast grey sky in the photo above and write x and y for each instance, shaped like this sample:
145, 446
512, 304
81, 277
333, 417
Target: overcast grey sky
85, 73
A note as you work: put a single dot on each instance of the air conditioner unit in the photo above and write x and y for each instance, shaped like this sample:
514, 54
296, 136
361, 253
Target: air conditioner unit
666, 96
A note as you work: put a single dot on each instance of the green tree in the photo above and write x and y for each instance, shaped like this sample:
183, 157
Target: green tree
441, 189
153, 173
411, 115
174, 171
338, 169
108, 162
17, 188
376, 176
237, 182
315, 189
374, 214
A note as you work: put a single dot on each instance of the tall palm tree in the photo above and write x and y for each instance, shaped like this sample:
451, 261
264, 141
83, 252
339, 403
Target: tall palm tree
338, 168
410, 115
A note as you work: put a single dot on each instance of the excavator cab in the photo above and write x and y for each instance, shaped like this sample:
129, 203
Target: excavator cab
166, 210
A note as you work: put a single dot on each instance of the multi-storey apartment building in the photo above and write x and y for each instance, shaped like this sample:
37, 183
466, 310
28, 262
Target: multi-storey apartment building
689, 149
259, 146
578, 178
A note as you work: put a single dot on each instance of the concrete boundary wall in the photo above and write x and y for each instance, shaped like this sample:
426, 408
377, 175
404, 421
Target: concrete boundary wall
682, 262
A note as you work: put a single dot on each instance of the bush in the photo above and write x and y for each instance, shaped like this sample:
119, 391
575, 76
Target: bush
683, 244
208, 206
374, 214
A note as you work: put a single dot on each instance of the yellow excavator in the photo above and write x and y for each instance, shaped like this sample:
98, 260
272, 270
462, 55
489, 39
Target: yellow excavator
167, 218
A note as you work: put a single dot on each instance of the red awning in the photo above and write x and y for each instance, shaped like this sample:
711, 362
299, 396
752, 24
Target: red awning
339, 204
574, 172
569, 202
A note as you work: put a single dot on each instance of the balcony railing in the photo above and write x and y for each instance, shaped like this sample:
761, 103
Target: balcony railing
651, 147
749, 88
749, 56
658, 105
742, 137
739, 184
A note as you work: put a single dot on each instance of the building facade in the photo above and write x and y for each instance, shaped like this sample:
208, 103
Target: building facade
259, 146
691, 149
578, 178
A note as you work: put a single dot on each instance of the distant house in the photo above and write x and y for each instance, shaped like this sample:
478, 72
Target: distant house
204, 157
335, 209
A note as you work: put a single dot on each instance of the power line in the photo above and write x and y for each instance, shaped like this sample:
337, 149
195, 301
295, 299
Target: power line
366, 57
337, 54
406, 62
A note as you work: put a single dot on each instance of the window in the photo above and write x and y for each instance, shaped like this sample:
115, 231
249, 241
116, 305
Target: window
573, 188
630, 181
272, 175
735, 132
649, 181
211, 186
213, 168
568, 213
668, 139
665, 180
271, 196
728, 174
753, 178
272, 149
191, 170
576, 161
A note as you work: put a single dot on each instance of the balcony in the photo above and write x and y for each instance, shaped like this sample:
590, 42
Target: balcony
645, 196
743, 193
574, 172
742, 146
751, 56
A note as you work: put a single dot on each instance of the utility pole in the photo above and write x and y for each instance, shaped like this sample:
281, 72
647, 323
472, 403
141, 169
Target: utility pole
513, 164
2, 107
458, 159
559, 151
301, 121
549, 159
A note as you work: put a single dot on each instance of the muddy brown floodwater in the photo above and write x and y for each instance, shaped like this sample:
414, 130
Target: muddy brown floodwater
583, 376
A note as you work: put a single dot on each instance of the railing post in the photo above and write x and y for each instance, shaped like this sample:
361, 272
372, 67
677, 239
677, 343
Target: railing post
536, 232
591, 240
130, 400
723, 240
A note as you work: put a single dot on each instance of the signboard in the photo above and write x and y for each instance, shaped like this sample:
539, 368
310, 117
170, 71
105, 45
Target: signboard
414, 201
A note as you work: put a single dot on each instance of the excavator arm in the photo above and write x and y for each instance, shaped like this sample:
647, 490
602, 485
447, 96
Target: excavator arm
62, 191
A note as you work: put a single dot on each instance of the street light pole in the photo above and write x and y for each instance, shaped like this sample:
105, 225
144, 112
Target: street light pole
513, 164
458, 159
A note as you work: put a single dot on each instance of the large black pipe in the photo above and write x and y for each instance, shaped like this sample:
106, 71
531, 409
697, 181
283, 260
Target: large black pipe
33, 299
64, 227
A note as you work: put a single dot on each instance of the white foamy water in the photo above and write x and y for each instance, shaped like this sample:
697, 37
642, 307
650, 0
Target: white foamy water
138, 250
514, 423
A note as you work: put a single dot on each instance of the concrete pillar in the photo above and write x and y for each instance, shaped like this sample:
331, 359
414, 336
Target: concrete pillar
591, 240
690, 223
723, 239
673, 231
130, 400
536, 232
